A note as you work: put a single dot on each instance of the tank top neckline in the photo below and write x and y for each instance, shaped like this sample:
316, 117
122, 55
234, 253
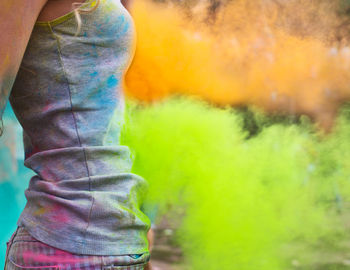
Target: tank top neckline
67, 16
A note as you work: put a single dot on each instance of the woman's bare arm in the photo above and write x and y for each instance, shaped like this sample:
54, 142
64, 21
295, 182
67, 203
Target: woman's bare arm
17, 18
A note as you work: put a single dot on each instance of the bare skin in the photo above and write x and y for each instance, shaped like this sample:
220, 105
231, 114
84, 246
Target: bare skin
17, 21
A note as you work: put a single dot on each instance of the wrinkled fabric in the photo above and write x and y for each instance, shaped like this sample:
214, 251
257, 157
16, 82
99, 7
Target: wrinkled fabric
68, 98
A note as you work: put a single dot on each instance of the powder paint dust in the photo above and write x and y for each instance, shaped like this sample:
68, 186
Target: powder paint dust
277, 200
259, 203
286, 56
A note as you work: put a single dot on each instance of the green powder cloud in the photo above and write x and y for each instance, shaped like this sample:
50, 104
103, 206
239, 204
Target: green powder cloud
266, 202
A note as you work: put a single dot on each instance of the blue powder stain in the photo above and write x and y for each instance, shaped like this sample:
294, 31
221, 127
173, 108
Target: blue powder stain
125, 28
93, 74
124, 24
112, 81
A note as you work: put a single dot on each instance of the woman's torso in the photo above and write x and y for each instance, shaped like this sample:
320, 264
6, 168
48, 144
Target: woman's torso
68, 98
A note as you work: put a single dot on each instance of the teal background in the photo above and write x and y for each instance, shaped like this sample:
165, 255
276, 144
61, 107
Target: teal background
14, 178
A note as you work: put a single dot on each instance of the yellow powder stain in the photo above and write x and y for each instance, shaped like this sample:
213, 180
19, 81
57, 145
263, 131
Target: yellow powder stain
6, 6
93, 4
5, 64
40, 211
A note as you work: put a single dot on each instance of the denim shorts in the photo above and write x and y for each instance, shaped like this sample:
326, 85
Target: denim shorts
25, 252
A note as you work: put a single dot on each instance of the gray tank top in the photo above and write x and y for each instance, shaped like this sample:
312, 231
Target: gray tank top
68, 98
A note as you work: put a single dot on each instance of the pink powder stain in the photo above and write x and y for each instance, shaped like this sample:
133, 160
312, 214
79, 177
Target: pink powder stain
48, 106
46, 174
60, 256
59, 214
33, 151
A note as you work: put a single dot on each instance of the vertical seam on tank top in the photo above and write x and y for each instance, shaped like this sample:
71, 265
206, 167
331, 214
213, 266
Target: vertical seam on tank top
75, 123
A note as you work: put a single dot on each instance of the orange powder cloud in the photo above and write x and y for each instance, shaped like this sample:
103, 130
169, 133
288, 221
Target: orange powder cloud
282, 57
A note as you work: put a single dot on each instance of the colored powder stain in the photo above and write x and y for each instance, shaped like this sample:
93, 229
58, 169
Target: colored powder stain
94, 74
5, 64
93, 4
112, 81
125, 27
45, 174
40, 211
58, 213
7, 6
122, 22
59, 256
31, 151
48, 106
